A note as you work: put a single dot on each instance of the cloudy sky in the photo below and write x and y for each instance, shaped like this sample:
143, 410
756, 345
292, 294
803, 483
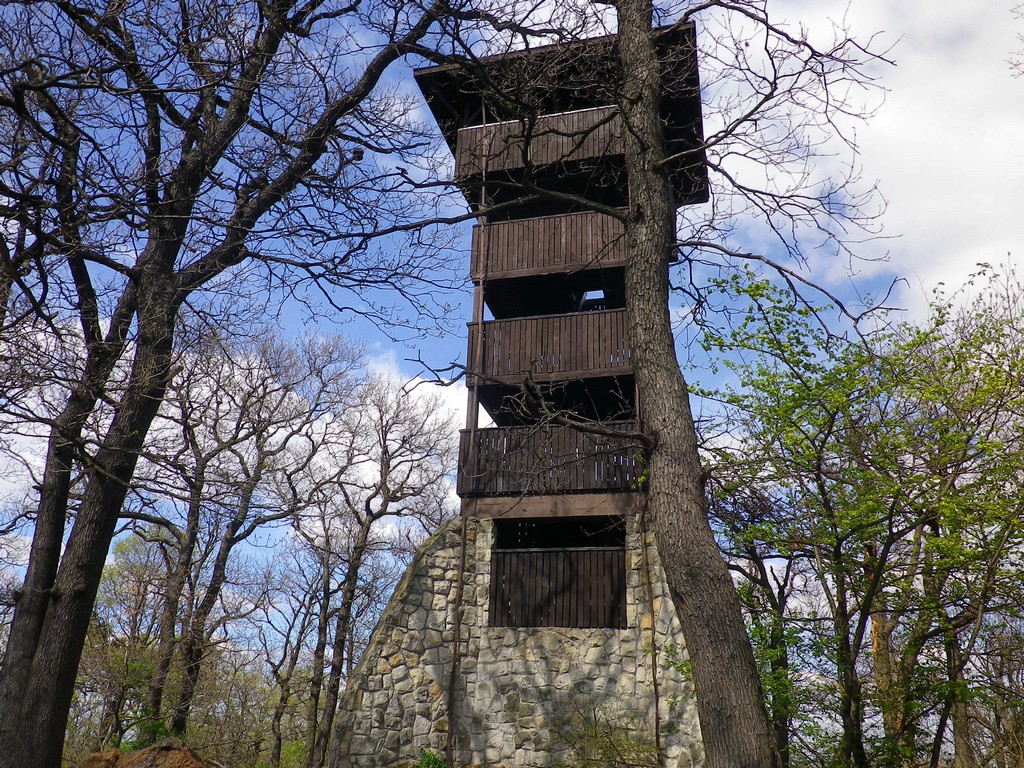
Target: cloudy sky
947, 144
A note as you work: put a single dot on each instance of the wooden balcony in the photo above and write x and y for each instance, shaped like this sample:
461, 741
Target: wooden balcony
559, 138
576, 587
550, 347
503, 461
462, 99
547, 245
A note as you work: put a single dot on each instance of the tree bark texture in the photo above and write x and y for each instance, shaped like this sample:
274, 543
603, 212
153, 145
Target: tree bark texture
52, 617
734, 723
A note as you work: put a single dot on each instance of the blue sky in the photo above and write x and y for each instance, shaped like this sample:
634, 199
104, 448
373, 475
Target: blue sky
944, 144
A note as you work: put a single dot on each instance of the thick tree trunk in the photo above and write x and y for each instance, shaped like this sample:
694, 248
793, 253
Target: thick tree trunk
52, 617
35, 597
891, 683
734, 723
885, 663
964, 752
851, 711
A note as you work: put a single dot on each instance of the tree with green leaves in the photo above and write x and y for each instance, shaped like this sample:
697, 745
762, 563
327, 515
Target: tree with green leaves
119, 658
880, 477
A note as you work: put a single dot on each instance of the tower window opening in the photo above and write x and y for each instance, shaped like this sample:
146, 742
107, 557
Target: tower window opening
593, 301
559, 572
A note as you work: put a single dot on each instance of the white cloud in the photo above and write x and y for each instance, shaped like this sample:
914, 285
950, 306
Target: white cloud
945, 145
453, 395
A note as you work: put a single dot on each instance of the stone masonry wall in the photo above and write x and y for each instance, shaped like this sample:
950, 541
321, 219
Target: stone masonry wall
524, 698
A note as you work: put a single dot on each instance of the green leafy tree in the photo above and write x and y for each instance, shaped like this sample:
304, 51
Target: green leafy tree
120, 654
880, 478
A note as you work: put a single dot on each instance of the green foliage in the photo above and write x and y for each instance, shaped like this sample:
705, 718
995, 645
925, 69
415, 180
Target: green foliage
429, 760
292, 753
641, 482
870, 492
149, 732
675, 660
600, 740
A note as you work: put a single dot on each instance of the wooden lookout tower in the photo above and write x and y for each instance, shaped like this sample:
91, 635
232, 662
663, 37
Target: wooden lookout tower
546, 606
537, 140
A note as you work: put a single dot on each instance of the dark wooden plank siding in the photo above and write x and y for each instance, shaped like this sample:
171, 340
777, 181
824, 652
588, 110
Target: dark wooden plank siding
549, 244
575, 587
551, 345
501, 461
562, 137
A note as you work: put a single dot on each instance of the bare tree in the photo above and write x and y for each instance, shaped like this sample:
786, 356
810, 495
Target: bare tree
284, 629
158, 153
251, 435
244, 422
347, 544
405, 454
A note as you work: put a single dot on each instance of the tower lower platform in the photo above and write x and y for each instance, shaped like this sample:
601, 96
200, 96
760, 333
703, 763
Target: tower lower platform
523, 697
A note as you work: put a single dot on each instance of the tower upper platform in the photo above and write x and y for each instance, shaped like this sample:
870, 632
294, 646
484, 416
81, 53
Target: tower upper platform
531, 122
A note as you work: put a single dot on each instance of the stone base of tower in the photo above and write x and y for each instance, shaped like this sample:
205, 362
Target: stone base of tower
522, 697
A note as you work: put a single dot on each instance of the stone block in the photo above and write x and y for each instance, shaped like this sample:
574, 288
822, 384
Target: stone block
431, 639
494, 754
420, 727
418, 621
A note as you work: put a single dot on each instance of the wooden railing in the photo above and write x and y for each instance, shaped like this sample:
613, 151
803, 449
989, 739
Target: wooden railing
562, 137
550, 346
583, 587
504, 461
547, 244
